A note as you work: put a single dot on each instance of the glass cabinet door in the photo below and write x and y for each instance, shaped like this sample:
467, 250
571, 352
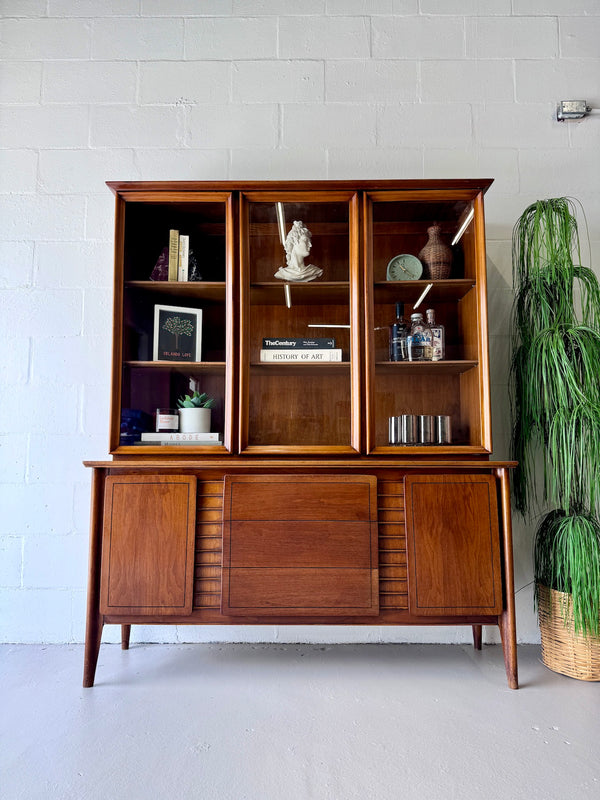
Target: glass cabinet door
300, 363
173, 334
425, 250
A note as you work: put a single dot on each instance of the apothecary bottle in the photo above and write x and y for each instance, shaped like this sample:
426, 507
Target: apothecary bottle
438, 332
398, 335
420, 339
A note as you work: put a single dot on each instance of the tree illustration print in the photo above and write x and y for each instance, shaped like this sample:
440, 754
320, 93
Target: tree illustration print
178, 327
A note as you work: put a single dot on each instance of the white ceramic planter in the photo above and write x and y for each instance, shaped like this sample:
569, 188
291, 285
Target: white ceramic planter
194, 420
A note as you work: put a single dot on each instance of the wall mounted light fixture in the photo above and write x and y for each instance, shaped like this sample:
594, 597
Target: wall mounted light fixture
572, 109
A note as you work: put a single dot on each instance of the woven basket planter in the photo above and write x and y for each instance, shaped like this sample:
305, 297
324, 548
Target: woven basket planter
563, 650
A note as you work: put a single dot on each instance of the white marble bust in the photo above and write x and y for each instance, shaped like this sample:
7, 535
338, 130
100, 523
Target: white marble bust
297, 247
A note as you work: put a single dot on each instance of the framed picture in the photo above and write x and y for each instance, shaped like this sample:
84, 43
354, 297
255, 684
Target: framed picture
177, 334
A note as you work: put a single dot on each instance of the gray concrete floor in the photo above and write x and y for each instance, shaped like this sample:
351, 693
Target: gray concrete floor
293, 722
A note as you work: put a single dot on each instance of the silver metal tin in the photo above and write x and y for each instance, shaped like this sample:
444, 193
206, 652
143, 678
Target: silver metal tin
426, 429
443, 429
395, 430
410, 431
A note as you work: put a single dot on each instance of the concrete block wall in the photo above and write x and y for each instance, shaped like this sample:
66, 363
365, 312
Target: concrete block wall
96, 90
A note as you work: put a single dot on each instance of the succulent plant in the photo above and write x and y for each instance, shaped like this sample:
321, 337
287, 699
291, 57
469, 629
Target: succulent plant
196, 400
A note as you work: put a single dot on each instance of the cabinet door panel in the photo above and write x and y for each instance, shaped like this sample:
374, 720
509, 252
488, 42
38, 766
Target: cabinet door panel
453, 544
301, 545
148, 545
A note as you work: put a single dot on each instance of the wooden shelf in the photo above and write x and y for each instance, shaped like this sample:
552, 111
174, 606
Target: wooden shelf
209, 290
433, 450
195, 366
452, 289
296, 368
164, 449
312, 293
427, 367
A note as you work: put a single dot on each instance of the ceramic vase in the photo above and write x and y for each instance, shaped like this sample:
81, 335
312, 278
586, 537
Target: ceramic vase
194, 420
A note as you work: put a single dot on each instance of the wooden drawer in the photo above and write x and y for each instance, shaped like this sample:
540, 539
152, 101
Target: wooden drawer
300, 545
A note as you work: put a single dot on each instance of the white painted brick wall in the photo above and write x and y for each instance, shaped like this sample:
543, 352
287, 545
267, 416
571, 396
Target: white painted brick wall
418, 37
96, 90
89, 82
231, 38
169, 82
324, 38
270, 81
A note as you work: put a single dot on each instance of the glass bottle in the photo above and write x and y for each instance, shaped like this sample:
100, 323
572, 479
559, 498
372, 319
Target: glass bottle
439, 336
419, 340
398, 333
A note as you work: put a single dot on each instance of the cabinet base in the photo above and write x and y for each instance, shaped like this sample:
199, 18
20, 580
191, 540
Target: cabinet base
92, 647
428, 577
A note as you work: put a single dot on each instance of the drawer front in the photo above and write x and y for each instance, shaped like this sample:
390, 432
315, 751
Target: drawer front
300, 545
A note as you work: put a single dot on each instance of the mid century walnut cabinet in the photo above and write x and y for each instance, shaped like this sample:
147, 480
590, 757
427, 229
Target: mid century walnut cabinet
303, 513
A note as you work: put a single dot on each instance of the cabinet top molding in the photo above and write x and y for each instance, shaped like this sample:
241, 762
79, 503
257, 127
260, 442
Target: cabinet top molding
472, 184
358, 464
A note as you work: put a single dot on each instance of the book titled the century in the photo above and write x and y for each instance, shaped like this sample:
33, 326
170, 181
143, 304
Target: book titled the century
292, 343
304, 356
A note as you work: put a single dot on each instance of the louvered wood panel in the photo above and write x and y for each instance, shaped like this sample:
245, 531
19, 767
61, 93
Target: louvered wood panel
393, 582
209, 539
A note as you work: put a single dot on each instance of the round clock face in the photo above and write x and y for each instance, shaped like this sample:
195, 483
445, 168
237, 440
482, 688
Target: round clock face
404, 268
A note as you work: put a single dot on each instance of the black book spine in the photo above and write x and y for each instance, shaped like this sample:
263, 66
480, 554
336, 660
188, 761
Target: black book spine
292, 343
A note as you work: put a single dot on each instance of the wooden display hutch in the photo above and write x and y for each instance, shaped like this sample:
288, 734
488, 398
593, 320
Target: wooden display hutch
303, 513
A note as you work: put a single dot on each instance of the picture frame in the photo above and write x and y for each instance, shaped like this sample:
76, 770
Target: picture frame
177, 334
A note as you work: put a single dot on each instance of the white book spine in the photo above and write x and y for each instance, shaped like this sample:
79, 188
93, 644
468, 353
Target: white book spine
184, 249
181, 437
301, 356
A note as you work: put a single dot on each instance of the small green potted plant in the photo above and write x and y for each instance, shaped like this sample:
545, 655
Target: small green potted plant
195, 412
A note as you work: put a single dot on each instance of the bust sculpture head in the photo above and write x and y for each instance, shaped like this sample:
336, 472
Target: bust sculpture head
298, 243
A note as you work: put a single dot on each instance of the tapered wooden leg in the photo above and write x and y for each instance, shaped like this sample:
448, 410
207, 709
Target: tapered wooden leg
507, 620
477, 629
94, 620
93, 637
125, 634
509, 648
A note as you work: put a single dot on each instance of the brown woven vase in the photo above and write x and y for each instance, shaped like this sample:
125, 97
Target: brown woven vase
436, 256
563, 650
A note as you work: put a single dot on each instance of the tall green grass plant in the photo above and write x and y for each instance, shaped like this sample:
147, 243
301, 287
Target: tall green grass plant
555, 384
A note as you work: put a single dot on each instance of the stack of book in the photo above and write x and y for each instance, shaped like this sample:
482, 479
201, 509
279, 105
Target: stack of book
179, 248
299, 350
197, 439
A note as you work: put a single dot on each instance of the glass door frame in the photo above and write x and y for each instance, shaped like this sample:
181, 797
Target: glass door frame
191, 291
481, 439
352, 198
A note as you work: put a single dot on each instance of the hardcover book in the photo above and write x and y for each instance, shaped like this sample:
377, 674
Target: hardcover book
306, 356
177, 333
174, 437
173, 254
291, 343
184, 250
